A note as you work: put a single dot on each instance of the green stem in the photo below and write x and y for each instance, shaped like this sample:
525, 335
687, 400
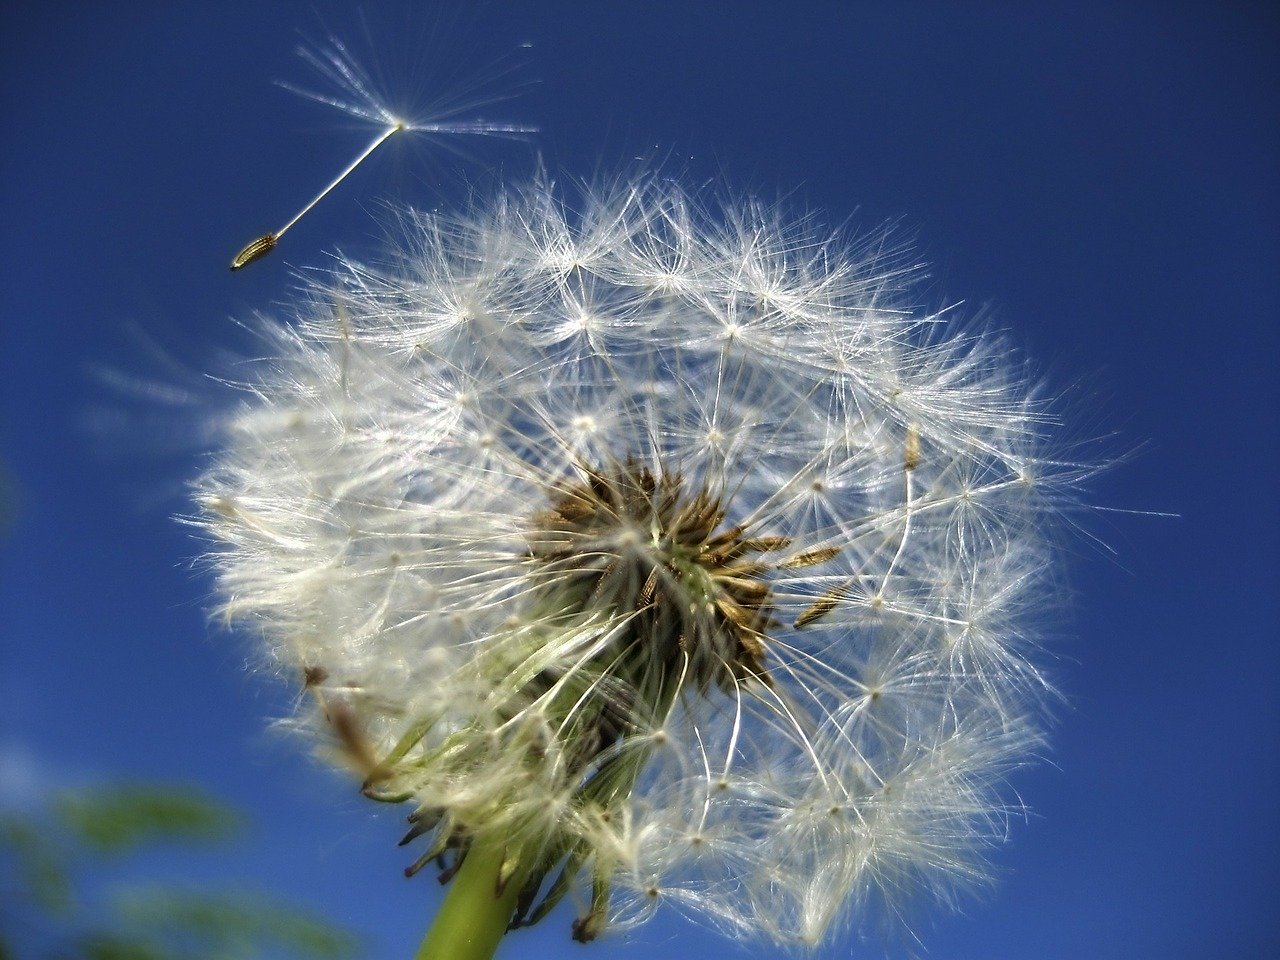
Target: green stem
474, 916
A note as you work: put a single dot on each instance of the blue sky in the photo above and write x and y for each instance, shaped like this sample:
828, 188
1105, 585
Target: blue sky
1101, 179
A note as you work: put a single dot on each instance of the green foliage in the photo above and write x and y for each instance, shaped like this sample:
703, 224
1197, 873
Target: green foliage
110, 946
229, 925
37, 869
46, 910
119, 819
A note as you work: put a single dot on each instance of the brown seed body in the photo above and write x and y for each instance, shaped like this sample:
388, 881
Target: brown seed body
254, 251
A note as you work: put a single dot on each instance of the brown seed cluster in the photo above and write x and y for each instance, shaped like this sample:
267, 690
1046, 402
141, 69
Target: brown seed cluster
687, 603
629, 542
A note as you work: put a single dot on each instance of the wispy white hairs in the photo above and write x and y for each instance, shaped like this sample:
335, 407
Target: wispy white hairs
666, 539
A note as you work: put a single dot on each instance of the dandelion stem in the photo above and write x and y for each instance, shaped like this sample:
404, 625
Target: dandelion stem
477, 908
381, 138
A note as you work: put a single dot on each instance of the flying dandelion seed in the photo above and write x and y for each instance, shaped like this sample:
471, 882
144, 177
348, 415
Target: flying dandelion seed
657, 553
356, 96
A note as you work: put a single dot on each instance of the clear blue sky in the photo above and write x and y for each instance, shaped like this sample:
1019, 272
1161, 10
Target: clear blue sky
1103, 178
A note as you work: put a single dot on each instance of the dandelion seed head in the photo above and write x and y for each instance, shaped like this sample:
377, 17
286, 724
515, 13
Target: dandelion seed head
664, 538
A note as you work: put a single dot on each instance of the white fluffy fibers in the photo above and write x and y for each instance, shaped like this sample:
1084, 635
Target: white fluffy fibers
665, 540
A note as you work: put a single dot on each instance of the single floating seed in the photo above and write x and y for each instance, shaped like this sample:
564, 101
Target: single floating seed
255, 251
266, 243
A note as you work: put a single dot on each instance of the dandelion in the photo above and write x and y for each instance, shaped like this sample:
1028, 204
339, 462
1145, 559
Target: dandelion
356, 96
657, 552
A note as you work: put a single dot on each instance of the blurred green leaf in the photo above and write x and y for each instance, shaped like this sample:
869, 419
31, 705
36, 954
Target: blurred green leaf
229, 925
39, 874
39, 854
119, 819
115, 947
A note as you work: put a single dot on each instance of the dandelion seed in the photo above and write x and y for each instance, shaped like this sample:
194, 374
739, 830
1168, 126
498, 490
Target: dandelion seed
825, 604
356, 96
911, 452
255, 250
811, 558
719, 599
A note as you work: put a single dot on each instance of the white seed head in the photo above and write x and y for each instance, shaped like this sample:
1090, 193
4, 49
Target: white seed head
668, 541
